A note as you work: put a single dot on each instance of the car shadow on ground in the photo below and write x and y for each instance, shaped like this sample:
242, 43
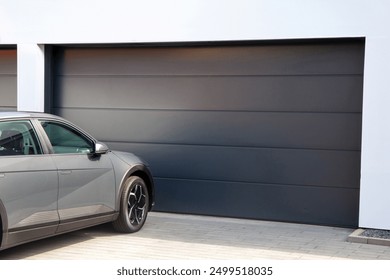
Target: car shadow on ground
46, 245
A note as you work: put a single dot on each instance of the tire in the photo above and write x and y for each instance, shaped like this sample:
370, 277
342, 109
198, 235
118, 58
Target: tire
134, 205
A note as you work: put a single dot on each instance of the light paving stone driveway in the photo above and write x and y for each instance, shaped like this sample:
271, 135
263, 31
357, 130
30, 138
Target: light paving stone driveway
176, 236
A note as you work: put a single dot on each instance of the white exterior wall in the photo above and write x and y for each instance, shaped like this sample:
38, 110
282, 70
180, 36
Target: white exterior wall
32, 24
30, 77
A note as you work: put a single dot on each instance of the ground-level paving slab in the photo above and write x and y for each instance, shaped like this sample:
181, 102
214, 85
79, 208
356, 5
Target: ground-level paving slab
177, 236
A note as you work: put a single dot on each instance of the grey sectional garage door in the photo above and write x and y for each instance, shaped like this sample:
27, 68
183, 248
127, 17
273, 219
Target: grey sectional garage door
8, 79
264, 131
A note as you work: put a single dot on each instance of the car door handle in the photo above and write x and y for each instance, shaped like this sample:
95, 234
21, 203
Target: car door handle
65, 172
2, 175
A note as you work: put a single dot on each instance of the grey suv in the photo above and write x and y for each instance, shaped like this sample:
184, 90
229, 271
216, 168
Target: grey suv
56, 178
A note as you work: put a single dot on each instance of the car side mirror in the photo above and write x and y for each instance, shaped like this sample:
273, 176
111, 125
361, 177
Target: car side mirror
100, 148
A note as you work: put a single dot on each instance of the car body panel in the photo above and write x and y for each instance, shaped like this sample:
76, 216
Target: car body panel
86, 186
27, 190
29, 197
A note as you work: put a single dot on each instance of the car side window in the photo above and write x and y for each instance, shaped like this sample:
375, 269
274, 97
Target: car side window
65, 139
18, 138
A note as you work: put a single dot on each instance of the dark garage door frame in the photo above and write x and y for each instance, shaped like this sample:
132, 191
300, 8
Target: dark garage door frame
263, 130
8, 74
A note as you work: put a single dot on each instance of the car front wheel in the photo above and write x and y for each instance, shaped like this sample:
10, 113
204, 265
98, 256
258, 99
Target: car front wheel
134, 205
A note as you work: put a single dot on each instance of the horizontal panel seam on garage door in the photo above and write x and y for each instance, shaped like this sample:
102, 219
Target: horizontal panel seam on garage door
206, 110
229, 146
168, 75
254, 183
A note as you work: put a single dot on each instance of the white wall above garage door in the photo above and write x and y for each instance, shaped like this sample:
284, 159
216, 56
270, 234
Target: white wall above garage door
254, 130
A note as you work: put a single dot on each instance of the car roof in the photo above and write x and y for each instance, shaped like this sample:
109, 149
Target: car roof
18, 114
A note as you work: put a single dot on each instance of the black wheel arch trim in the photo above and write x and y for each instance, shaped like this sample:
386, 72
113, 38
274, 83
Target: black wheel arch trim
144, 173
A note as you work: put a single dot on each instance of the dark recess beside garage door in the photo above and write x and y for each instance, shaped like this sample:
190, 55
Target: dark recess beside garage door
252, 130
8, 79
